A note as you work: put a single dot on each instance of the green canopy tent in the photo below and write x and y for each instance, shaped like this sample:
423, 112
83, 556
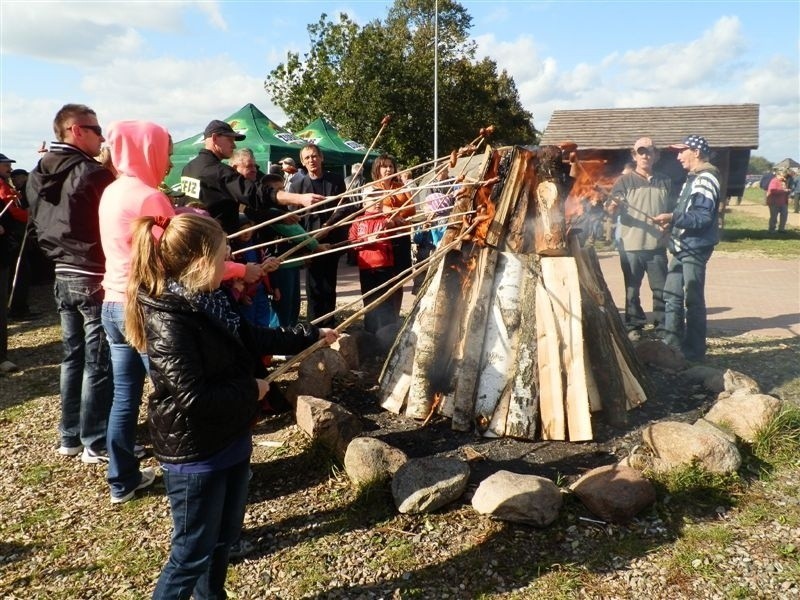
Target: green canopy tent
325, 135
268, 141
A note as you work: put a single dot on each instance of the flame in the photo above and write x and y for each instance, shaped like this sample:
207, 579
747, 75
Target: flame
592, 182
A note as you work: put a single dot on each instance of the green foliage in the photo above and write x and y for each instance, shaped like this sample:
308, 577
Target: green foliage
758, 165
354, 76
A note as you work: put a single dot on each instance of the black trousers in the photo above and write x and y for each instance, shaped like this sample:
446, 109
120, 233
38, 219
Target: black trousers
321, 273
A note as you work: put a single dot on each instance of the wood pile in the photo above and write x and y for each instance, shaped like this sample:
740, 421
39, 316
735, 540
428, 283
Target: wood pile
514, 332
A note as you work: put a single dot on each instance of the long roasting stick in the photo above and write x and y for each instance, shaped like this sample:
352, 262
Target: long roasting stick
357, 315
407, 274
289, 238
365, 242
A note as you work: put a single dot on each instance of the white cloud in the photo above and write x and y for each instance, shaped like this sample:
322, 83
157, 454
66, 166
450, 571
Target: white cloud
715, 68
79, 34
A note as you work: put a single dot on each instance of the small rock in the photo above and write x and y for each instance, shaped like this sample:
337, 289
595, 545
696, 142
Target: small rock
327, 422
744, 413
426, 484
520, 498
370, 460
614, 493
680, 444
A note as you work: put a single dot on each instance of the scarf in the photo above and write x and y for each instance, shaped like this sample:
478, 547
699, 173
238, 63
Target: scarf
215, 304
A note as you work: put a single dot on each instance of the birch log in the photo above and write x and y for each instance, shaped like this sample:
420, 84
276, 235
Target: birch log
475, 319
523, 409
500, 339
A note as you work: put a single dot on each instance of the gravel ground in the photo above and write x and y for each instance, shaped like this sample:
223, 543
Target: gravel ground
316, 537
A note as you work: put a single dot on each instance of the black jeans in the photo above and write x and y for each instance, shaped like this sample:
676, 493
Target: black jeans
321, 276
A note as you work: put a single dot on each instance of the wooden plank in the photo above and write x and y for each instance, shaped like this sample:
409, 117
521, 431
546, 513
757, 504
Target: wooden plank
634, 394
595, 401
497, 425
548, 351
560, 278
500, 339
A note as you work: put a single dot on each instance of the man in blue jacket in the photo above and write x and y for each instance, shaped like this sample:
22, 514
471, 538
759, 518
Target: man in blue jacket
693, 237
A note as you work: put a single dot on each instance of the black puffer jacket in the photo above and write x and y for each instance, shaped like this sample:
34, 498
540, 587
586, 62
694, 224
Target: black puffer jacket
205, 394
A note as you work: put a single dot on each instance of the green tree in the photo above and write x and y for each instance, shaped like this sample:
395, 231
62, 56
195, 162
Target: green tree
758, 164
353, 76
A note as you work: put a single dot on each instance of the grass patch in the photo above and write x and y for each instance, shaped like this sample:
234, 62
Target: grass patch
36, 475
695, 488
778, 442
745, 232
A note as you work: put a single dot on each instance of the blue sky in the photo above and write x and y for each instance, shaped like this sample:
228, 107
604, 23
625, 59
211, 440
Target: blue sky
182, 64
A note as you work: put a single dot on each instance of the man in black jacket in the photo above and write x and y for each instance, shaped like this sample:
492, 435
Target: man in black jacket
221, 189
322, 271
64, 194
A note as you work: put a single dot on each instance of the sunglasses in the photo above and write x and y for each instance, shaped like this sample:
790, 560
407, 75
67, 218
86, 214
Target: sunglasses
644, 151
98, 131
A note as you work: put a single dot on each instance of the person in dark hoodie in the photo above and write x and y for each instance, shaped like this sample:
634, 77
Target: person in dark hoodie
64, 194
692, 239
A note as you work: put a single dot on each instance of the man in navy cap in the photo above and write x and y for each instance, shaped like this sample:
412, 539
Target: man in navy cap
693, 236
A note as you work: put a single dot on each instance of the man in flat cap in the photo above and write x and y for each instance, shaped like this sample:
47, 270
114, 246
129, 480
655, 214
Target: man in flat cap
694, 233
637, 197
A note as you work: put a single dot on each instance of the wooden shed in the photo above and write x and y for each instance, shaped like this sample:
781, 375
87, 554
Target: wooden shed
731, 131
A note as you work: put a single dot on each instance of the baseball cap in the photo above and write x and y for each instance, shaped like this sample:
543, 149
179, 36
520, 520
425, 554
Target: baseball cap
643, 142
5, 159
221, 128
694, 141
287, 161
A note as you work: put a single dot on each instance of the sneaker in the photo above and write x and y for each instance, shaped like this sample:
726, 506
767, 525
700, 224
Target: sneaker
8, 367
148, 477
240, 548
92, 457
70, 450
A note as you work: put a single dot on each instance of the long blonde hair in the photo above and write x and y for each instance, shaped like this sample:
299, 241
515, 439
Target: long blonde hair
184, 251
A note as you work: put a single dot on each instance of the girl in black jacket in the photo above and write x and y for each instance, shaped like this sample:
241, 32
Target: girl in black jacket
204, 364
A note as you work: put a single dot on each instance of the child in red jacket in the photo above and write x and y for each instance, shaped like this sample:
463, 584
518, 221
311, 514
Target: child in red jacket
375, 262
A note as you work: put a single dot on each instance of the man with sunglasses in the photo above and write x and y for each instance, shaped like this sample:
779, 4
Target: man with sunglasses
64, 194
637, 197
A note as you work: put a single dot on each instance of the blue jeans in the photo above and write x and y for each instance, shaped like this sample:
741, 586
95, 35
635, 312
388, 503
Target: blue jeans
654, 263
288, 307
207, 515
684, 295
86, 368
128, 368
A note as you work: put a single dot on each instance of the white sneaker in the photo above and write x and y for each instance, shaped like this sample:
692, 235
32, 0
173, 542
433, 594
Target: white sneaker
148, 477
90, 457
69, 450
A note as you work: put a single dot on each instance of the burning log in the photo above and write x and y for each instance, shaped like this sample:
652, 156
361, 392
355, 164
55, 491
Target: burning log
514, 332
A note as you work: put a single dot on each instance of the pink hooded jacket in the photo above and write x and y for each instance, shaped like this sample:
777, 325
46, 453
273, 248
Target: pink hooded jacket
140, 153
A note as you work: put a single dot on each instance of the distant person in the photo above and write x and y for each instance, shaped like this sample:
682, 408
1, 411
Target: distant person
356, 178
64, 192
635, 198
399, 208
778, 201
289, 169
24, 248
13, 216
207, 387
795, 191
321, 271
694, 233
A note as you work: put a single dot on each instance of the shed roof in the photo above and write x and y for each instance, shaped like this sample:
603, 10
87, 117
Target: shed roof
723, 125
